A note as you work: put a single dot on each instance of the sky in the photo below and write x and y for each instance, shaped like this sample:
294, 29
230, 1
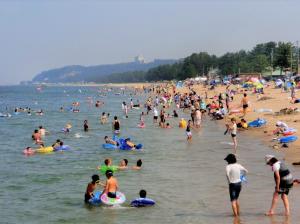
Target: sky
38, 35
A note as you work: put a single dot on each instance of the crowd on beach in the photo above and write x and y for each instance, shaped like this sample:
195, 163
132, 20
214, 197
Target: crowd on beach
229, 104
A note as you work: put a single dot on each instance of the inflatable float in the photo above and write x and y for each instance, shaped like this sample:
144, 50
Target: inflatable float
122, 144
62, 148
109, 146
142, 202
96, 200
120, 199
45, 149
288, 139
257, 123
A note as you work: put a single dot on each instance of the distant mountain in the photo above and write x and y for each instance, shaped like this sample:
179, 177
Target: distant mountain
78, 73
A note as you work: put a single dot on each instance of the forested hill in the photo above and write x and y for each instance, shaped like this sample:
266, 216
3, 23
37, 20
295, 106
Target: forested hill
98, 73
262, 58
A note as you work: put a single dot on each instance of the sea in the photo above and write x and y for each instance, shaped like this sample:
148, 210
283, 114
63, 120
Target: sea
186, 179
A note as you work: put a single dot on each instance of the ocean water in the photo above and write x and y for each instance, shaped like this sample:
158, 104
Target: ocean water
187, 180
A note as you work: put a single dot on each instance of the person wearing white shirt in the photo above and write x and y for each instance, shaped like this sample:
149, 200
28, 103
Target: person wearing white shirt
284, 182
234, 171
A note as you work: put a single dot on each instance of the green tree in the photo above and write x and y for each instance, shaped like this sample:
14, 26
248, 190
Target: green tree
283, 55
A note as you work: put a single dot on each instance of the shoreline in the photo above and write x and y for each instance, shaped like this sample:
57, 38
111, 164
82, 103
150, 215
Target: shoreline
273, 99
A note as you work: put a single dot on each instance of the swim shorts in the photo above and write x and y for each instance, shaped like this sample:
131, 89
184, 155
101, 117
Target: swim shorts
245, 106
111, 195
234, 190
233, 135
188, 133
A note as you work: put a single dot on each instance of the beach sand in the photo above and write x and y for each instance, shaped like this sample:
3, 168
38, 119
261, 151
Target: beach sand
274, 99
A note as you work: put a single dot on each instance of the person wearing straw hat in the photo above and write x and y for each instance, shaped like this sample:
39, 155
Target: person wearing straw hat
233, 173
284, 182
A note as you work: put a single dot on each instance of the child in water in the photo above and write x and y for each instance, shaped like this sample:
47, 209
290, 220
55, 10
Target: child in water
91, 188
123, 164
85, 125
188, 130
138, 165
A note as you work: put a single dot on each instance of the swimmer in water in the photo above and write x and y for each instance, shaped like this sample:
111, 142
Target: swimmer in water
37, 137
85, 126
130, 143
116, 125
138, 165
123, 164
103, 119
188, 130
110, 141
111, 185
56, 144
91, 187
42, 131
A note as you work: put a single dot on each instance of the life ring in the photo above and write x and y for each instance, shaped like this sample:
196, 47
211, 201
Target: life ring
120, 199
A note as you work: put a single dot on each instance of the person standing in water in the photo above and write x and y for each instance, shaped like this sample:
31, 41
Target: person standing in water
188, 130
233, 129
116, 125
245, 104
91, 188
233, 173
283, 183
85, 125
111, 185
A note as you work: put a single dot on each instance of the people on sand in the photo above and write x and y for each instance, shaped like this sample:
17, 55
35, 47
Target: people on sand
245, 104
123, 164
138, 165
281, 127
85, 126
91, 187
116, 125
232, 128
110, 141
283, 183
111, 185
188, 130
233, 172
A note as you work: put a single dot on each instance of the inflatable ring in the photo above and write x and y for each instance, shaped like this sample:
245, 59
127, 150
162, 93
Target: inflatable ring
142, 202
120, 199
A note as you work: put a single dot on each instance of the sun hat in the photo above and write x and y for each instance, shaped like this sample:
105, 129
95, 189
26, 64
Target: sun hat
268, 158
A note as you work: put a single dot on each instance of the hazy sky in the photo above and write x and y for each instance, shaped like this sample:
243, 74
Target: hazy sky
39, 35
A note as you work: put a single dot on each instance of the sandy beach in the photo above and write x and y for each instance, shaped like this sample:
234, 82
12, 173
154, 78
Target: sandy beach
273, 99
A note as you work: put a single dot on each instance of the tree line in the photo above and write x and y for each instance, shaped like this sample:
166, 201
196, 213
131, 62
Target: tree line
263, 57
